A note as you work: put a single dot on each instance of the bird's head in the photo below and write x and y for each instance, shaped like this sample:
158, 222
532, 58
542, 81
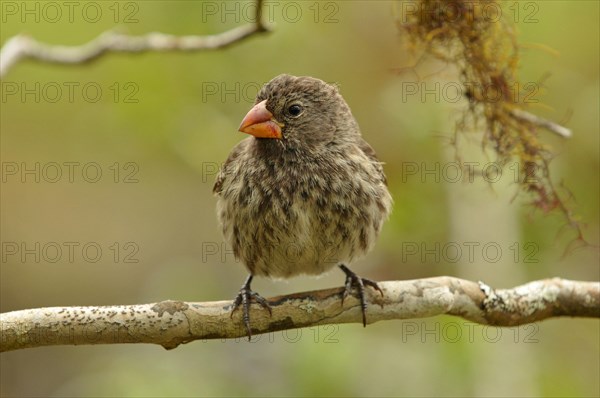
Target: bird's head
299, 111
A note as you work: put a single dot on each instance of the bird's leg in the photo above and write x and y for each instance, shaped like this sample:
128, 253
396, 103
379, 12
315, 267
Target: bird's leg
244, 298
353, 280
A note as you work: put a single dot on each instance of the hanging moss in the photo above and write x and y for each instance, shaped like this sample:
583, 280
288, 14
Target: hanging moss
477, 38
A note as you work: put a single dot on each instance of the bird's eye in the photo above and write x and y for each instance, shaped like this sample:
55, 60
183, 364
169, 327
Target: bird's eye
295, 110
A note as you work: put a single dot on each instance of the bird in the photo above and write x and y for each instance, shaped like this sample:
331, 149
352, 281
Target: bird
304, 193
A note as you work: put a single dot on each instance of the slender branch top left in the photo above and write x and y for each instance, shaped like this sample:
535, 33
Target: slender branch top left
21, 47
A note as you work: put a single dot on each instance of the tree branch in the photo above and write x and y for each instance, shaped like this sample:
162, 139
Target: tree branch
170, 323
21, 47
541, 122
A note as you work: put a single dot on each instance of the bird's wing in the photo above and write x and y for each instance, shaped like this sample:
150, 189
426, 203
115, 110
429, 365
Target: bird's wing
370, 153
229, 166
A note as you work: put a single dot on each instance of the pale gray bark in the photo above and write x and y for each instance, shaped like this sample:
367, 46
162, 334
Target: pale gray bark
22, 47
170, 323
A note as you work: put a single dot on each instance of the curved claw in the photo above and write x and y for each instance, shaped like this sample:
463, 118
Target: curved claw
353, 280
244, 298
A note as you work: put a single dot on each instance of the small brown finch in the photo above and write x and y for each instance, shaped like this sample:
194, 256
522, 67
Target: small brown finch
305, 193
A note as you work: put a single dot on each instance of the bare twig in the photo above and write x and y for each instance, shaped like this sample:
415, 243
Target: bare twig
21, 47
171, 323
541, 122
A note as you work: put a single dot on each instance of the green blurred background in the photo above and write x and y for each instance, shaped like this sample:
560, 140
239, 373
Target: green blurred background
165, 121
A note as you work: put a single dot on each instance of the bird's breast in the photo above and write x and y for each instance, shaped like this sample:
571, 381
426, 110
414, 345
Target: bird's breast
303, 217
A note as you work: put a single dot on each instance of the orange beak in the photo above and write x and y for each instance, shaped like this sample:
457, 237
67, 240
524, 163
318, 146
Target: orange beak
260, 123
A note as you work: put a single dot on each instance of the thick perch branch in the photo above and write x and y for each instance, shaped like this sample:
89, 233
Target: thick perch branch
170, 323
21, 46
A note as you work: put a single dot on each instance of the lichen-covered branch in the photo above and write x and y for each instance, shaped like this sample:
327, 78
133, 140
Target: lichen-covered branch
21, 47
171, 323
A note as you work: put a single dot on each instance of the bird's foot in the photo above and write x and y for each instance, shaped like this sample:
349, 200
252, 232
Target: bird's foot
353, 280
244, 299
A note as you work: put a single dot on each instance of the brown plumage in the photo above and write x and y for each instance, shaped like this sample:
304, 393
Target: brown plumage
305, 193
